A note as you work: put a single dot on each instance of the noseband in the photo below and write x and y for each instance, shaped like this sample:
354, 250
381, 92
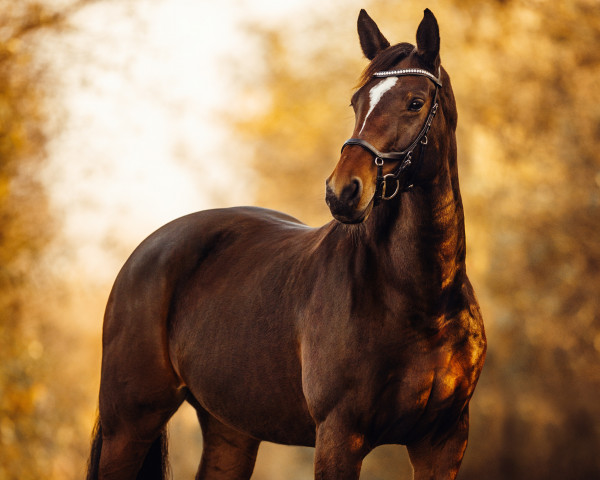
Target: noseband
404, 156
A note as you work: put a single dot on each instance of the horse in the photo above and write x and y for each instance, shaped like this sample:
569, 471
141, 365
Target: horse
363, 332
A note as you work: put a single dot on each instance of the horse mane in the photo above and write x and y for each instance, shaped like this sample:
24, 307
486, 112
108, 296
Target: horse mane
385, 60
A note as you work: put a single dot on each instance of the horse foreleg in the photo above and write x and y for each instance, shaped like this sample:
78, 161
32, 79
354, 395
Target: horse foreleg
226, 453
339, 451
439, 457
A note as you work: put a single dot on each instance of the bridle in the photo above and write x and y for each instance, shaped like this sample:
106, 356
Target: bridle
404, 156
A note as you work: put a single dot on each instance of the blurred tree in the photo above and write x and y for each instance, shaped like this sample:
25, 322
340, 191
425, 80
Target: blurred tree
294, 136
533, 181
525, 74
35, 424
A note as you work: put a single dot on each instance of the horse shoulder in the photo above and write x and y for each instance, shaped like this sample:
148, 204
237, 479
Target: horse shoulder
458, 354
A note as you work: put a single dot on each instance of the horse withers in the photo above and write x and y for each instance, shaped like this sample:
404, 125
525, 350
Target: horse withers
363, 332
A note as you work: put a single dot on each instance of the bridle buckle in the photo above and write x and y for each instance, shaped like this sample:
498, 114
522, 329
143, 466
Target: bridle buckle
385, 180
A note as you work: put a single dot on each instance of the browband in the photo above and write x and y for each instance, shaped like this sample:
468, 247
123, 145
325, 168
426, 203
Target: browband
411, 71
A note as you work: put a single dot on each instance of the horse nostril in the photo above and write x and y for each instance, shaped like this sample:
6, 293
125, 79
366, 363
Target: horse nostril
351, 192
328, 195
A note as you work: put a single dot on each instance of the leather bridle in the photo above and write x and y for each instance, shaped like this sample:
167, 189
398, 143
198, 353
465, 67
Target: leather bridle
404, 156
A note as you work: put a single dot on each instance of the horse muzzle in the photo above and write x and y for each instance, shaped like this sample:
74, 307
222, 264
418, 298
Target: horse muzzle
346, 204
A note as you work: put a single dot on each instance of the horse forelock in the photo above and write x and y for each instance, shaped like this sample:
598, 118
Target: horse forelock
385, 60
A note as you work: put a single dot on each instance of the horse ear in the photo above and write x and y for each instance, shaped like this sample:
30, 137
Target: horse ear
371, 40
428, 40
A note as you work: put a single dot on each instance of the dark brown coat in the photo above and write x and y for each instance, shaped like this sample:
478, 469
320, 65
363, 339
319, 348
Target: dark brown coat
343, 337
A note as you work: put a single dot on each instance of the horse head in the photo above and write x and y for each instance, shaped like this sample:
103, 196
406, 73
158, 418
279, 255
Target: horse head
395, 105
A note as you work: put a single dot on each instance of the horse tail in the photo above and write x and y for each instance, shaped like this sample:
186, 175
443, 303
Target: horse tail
94, 460
156, 463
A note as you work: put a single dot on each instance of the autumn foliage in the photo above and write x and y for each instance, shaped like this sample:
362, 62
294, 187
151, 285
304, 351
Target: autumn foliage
526, 78
41, 429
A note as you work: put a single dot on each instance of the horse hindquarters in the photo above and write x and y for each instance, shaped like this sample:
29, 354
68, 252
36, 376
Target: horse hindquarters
139, 390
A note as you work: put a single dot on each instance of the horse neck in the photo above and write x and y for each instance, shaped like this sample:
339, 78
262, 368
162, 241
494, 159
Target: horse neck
420, 236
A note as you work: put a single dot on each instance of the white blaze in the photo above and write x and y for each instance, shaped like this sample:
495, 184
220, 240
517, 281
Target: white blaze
376, 94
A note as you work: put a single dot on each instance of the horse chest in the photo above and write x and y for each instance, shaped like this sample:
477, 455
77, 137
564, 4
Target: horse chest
434, 387
397, 388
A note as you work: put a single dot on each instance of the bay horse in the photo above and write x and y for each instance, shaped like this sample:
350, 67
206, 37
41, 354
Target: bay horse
363, 332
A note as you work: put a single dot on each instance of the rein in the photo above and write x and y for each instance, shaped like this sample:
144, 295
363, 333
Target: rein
404, 156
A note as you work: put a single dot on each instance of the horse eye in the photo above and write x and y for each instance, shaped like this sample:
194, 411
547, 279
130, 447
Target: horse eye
416, 105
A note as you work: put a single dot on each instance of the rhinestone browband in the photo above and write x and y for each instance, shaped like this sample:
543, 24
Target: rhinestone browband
409, 71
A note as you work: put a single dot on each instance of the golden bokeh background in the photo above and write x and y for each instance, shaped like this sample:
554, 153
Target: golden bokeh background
526, 75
